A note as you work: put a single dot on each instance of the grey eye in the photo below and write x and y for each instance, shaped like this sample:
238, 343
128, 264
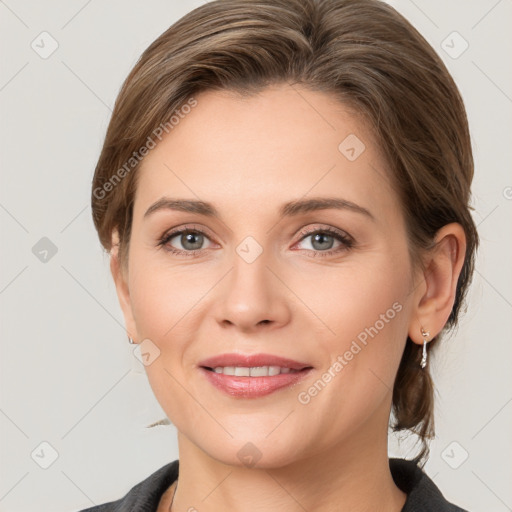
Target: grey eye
189, 240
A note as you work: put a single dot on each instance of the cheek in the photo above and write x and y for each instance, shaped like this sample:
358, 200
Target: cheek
162, 297
364, 312
354, 297
367, 313
163, 308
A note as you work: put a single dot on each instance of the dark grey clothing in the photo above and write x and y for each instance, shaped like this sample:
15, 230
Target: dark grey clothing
422, 493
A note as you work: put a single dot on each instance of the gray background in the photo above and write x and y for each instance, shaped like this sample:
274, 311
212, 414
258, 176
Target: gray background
70, 388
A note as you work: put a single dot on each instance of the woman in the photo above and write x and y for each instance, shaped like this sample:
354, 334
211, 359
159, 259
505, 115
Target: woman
284, 193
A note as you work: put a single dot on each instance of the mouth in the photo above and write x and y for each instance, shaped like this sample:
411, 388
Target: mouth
252, 376
253, 371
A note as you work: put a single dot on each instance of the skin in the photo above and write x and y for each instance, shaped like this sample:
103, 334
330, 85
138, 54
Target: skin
248, 156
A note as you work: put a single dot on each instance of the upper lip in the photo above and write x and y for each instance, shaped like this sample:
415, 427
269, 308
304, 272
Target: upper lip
251, 360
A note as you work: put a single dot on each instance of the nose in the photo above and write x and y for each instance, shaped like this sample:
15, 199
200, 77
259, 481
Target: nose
253, 297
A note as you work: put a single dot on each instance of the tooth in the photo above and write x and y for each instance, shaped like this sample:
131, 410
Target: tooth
274, 370
259, 371
253, 371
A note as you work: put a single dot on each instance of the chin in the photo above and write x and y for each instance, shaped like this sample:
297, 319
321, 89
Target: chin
254, 453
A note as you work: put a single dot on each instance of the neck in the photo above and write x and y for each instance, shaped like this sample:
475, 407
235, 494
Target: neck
352, 476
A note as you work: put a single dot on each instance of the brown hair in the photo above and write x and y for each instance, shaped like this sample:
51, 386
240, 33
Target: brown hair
360, 51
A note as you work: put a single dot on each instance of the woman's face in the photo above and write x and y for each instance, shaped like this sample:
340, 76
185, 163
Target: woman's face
330, 288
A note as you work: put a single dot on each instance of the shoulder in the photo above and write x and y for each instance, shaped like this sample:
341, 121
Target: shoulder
422, 494
145, 496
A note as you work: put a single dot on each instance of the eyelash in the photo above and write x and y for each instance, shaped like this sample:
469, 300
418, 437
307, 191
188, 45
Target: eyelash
346, 240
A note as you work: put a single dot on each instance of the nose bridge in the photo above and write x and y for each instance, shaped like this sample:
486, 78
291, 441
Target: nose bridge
250, 276
252, 295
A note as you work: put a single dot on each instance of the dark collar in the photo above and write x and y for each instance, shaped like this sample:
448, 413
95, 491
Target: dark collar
422, 494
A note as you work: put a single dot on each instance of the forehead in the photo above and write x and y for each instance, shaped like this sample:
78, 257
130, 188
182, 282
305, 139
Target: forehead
284, 142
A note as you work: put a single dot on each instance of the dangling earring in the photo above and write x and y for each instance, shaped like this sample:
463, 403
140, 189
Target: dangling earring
130, 341
425, 335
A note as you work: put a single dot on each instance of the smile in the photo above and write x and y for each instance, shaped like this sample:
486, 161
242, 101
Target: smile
253, 371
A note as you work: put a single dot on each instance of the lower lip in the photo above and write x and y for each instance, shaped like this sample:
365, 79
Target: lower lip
253, 387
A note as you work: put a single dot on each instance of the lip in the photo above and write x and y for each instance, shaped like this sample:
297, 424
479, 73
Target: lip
252, 387
250, 360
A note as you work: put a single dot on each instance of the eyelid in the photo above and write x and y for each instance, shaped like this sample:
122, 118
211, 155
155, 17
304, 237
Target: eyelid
172, 232
326, 229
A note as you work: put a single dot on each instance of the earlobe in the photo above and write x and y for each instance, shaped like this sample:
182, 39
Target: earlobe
435, 299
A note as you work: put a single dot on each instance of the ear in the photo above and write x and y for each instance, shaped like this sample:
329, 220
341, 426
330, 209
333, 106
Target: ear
435, 295
120, 276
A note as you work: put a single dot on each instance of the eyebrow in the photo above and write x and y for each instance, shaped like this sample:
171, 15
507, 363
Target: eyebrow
290, 209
